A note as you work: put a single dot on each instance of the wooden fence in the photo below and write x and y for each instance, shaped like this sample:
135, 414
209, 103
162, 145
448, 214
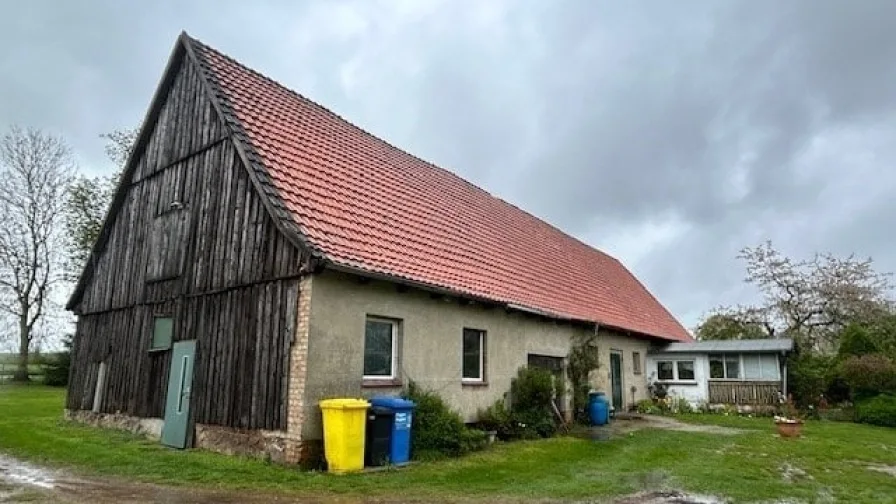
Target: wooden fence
744, 392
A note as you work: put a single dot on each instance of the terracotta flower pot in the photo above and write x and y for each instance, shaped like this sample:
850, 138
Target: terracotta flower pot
790, 429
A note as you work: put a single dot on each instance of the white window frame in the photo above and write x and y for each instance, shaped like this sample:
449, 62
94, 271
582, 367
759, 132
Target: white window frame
481, 377
675, 371
393, 372
742, 371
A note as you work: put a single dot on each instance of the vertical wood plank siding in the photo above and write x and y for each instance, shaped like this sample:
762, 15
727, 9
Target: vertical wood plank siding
192, 241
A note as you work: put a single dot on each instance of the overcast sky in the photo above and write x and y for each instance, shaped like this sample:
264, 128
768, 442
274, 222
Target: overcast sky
669, 134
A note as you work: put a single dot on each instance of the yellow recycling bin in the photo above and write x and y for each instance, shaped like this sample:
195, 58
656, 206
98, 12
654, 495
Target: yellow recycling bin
344, 425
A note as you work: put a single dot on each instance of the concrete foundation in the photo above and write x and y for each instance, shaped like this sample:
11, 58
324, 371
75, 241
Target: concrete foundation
149, 427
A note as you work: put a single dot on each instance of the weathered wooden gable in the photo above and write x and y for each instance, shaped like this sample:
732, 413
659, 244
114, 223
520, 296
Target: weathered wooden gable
190, 238
191, 221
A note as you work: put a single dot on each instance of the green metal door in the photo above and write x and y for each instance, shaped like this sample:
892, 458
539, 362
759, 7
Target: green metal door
177, 406
616, 379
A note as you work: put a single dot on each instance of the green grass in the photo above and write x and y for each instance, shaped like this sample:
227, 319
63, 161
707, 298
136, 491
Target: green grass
744, 467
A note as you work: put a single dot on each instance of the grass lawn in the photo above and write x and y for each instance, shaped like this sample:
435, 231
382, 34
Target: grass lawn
831, 459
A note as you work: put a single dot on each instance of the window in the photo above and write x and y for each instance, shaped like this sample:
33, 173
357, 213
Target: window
682, 370
732, 367
636, 362
380, 347
162, 333
716, 367
770, 369
665, 370
744, 367
473, 355
685, 370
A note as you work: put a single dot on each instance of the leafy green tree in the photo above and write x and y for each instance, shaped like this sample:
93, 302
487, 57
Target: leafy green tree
721, 326
856, 340
88, 201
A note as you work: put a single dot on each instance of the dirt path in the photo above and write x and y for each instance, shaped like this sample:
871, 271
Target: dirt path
23, 482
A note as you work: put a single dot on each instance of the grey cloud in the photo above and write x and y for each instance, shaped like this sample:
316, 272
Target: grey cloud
597, 116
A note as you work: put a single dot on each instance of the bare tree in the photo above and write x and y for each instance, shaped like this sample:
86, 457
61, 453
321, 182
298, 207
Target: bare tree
809, 300
35, 170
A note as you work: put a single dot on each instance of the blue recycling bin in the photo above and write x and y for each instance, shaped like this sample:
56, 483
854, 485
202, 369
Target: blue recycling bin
400, 444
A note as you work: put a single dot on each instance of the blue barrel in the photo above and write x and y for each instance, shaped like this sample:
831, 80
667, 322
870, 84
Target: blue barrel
598, 408
400, 445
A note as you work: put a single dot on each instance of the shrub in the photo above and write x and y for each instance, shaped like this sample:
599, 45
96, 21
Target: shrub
809, 377
856, 340
498, 418
869, 375
658, 390
531, 401
584, 358
680, 405
436, 429
880, 410
56, 366
646, 407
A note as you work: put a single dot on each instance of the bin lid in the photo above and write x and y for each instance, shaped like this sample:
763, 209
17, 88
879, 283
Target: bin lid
344, 403
392, 402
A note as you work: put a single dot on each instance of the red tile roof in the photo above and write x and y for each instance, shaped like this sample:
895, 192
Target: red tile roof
367, 205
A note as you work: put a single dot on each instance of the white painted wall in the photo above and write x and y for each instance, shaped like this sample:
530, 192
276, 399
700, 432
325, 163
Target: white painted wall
696, 391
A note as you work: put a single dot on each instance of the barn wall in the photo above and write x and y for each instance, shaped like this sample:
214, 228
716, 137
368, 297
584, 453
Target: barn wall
242, 343
191, 240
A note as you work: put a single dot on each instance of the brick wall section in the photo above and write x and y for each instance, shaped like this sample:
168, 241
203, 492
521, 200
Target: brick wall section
298, 367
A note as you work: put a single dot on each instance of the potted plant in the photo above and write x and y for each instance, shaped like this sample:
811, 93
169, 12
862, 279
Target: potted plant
789, 421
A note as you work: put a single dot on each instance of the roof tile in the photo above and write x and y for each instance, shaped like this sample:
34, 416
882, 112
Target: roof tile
366, 204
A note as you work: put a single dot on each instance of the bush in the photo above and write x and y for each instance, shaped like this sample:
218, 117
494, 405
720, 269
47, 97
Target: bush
497, 418
531, 402
436, 429
880, 410
531, 414
869, 375
56, 366
658, 390
856, 340
647, 407
680, 405
809, 377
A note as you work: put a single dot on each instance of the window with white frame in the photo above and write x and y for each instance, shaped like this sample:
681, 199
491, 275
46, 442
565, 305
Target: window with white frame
675, 370
473, 356
744, 367
380, 348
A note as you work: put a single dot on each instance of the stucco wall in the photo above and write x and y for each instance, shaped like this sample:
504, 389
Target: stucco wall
610, 342
430, 351
696, 391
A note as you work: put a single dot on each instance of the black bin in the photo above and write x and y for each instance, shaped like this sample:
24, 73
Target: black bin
379, 436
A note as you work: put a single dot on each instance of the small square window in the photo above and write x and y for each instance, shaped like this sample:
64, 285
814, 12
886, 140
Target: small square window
473, 355
636, 362
665, 370
380, 348
162, 333
685, 370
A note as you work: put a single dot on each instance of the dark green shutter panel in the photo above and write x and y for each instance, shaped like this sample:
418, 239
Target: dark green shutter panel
162, 333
